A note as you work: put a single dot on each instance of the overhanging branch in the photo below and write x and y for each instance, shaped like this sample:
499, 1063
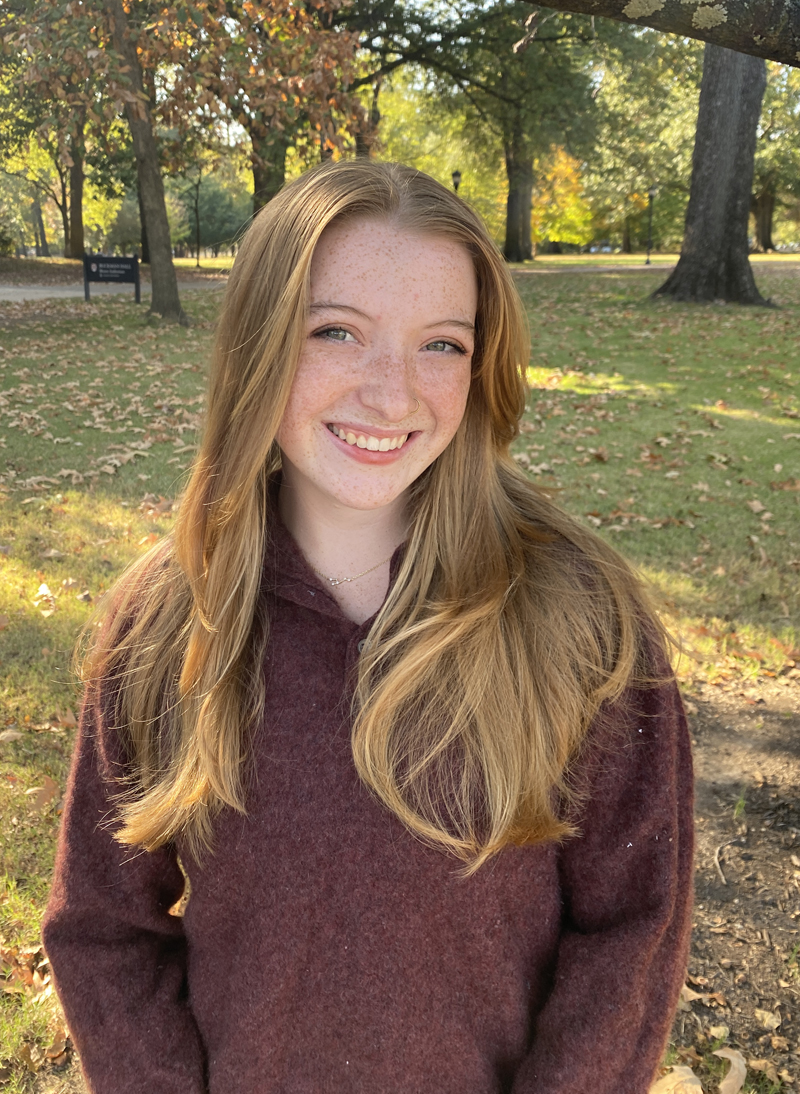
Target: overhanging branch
763, 28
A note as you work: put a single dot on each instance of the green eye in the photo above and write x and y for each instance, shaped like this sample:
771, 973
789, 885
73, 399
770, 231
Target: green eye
333, 334
441, 346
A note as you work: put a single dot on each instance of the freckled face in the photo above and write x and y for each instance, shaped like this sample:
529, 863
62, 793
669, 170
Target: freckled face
382, 382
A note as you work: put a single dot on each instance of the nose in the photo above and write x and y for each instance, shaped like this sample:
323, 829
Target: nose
387, 388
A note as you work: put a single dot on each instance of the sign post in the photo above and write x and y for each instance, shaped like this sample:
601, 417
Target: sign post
106, 269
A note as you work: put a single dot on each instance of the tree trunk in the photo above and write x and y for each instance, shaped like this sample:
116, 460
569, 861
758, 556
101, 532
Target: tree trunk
63, 208
763, 209
269, 166
365, 136
143, 226
42, 246
714, 262
36, 243
197, 219
76, 179
165, 300
762, 28
626, 236
519, 168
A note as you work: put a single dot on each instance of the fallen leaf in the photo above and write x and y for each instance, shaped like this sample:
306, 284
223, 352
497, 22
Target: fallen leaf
720, 1033
67, 718
85, 596
44, 794
10, 735
59, 1044
780, 1044
68, 583
734, 1080
769, 1020
755, 506
51, 552
4, 621
31, 1056
682, 1080
767, 1067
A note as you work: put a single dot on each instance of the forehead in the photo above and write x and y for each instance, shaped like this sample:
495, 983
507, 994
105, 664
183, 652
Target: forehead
373, 257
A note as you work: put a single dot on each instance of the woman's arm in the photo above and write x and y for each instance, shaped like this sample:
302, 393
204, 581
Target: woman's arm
118, 956
627, 884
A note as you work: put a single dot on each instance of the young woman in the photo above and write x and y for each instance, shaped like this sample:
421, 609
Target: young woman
407, 727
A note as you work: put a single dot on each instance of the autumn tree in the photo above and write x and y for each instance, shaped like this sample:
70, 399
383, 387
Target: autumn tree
282, 70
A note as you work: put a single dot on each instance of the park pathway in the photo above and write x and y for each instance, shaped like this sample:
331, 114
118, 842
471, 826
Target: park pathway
20, 293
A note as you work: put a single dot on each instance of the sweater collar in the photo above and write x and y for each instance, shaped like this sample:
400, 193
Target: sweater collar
289, 576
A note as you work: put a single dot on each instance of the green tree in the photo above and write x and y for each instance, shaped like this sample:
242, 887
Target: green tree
648, 86
417, 128
776, 182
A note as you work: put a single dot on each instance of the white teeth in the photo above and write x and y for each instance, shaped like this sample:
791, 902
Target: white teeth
372, 444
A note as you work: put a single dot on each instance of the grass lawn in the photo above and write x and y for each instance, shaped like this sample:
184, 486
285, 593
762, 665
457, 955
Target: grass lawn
672, 430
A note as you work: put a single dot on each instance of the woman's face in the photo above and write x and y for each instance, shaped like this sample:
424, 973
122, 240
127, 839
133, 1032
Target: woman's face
383, 379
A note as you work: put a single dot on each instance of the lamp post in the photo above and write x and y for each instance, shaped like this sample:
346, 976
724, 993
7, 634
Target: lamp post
651, 193
456, 180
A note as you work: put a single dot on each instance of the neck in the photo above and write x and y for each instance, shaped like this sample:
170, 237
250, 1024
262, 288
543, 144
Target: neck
339, 542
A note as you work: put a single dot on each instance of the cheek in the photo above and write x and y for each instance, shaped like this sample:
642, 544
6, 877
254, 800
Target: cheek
447, 393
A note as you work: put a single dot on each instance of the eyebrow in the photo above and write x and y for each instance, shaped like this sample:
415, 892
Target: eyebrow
326, 305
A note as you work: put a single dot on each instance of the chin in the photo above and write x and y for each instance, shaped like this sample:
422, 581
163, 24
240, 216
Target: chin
364, 502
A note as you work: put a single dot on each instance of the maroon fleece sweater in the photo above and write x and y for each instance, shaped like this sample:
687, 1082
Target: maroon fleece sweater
324, 950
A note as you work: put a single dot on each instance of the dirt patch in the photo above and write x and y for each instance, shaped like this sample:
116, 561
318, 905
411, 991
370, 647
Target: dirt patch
744, 959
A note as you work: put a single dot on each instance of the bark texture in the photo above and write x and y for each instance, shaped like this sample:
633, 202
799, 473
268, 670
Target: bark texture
143, 224
763, 209
269, 167
165, 300
519, 168
42, 246
714, 263
762, 28
76, 180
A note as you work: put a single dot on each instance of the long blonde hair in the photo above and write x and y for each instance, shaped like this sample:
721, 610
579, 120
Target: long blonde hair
507, 627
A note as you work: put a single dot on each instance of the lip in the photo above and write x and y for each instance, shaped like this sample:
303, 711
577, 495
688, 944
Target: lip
364, 455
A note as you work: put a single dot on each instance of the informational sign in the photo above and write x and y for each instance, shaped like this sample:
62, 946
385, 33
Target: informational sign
107, 269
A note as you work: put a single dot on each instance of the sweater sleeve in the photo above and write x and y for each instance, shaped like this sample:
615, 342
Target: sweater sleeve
118, 957
627, 894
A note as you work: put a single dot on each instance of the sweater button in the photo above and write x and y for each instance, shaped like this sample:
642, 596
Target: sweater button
361, 645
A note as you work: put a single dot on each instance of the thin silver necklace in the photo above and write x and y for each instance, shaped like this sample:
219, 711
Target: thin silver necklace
343, 580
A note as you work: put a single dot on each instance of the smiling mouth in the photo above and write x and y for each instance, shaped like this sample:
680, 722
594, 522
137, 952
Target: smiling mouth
366, 440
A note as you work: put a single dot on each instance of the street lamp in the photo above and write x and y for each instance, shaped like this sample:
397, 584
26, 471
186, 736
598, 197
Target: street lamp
456, 180
651, 193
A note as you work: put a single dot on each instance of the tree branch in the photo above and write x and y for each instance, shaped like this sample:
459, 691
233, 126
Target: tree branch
763, 28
